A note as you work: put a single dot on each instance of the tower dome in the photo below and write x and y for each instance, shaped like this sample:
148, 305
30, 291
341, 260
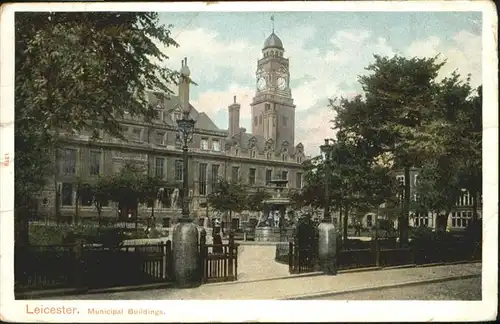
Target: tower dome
273, 41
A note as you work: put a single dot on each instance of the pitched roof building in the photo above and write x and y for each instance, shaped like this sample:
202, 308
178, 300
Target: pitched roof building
267, 152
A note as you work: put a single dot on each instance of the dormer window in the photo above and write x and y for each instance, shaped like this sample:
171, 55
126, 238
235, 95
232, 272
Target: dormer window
283, 157
236, 152
253, 154
299, 159
269, 155
204, 143
215, 145
176, 115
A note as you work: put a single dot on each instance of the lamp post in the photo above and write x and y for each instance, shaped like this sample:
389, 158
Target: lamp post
185, 252
327, 240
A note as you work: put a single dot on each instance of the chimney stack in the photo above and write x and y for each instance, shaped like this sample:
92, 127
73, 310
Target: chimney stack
234, 118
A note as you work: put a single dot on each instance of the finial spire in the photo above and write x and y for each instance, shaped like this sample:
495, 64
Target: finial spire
272, 22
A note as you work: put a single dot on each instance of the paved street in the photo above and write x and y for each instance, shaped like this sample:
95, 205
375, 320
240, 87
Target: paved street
298, 287
468, 289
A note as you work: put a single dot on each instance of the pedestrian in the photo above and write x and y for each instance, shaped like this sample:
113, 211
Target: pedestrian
357, 229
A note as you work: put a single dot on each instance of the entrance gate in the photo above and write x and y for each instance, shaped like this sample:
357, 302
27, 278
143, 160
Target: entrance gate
303, 249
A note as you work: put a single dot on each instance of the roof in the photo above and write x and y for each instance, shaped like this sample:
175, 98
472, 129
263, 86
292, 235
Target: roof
273, 41
171, 103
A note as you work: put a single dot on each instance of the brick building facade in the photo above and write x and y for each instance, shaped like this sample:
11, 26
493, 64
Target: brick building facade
268, 152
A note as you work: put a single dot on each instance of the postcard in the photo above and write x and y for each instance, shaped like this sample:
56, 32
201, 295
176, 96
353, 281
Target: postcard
249, 161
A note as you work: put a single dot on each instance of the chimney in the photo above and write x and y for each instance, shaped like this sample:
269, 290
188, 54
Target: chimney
234, 118
243, 130
184, 85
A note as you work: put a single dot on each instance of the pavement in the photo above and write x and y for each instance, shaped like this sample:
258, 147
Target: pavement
301, 287
460, 289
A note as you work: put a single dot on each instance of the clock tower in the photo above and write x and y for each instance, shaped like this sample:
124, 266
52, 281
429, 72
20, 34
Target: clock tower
273, 111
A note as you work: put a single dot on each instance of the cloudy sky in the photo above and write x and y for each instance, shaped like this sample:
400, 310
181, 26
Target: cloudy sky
327, 51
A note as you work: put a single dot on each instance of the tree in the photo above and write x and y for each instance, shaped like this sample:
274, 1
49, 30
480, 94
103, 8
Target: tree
399, 93
255, 200
471, 166
228, 197
438, 189
454, 159
76, 71
149, 190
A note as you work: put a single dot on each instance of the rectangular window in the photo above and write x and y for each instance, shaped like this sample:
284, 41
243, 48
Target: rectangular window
401, 179
454, 219
67, 160
137, 134
160, 115
268, 106
284, 175
159, 167
251, 176
86, 197
204, 143
214, 176
67, 194
299, 180
260, 120
95, 162
235, 173
202, 179
179, 170
269, 174
415, 179
284, 119
160, 138
216, 145
255, 120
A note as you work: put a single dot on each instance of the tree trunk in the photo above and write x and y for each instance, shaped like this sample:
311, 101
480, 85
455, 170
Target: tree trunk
344, 223
21, 227
403, 226
99, 210
153, 214
77, 207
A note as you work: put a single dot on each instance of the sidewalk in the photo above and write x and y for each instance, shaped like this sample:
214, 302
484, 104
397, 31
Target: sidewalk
306, 287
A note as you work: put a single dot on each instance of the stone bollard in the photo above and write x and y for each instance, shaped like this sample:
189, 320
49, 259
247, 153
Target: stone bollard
186, 256
327, 248
203, 254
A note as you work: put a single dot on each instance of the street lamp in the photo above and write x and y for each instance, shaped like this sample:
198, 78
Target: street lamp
326, 152
187, 268
327, 239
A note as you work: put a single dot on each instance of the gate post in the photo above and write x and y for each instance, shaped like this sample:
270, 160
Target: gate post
327, 248
79, 262
202, 256
296, 255
231, 254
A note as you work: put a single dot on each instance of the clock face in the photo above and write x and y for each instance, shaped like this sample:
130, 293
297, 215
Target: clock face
281, 83
261, 83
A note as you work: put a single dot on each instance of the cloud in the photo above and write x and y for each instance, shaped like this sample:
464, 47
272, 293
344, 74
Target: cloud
224, 68
207, 55
463, 54
215, 103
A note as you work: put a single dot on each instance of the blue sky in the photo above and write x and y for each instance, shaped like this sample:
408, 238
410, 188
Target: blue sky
327, 51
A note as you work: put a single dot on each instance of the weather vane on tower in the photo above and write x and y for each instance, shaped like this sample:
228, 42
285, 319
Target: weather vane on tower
272, 22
